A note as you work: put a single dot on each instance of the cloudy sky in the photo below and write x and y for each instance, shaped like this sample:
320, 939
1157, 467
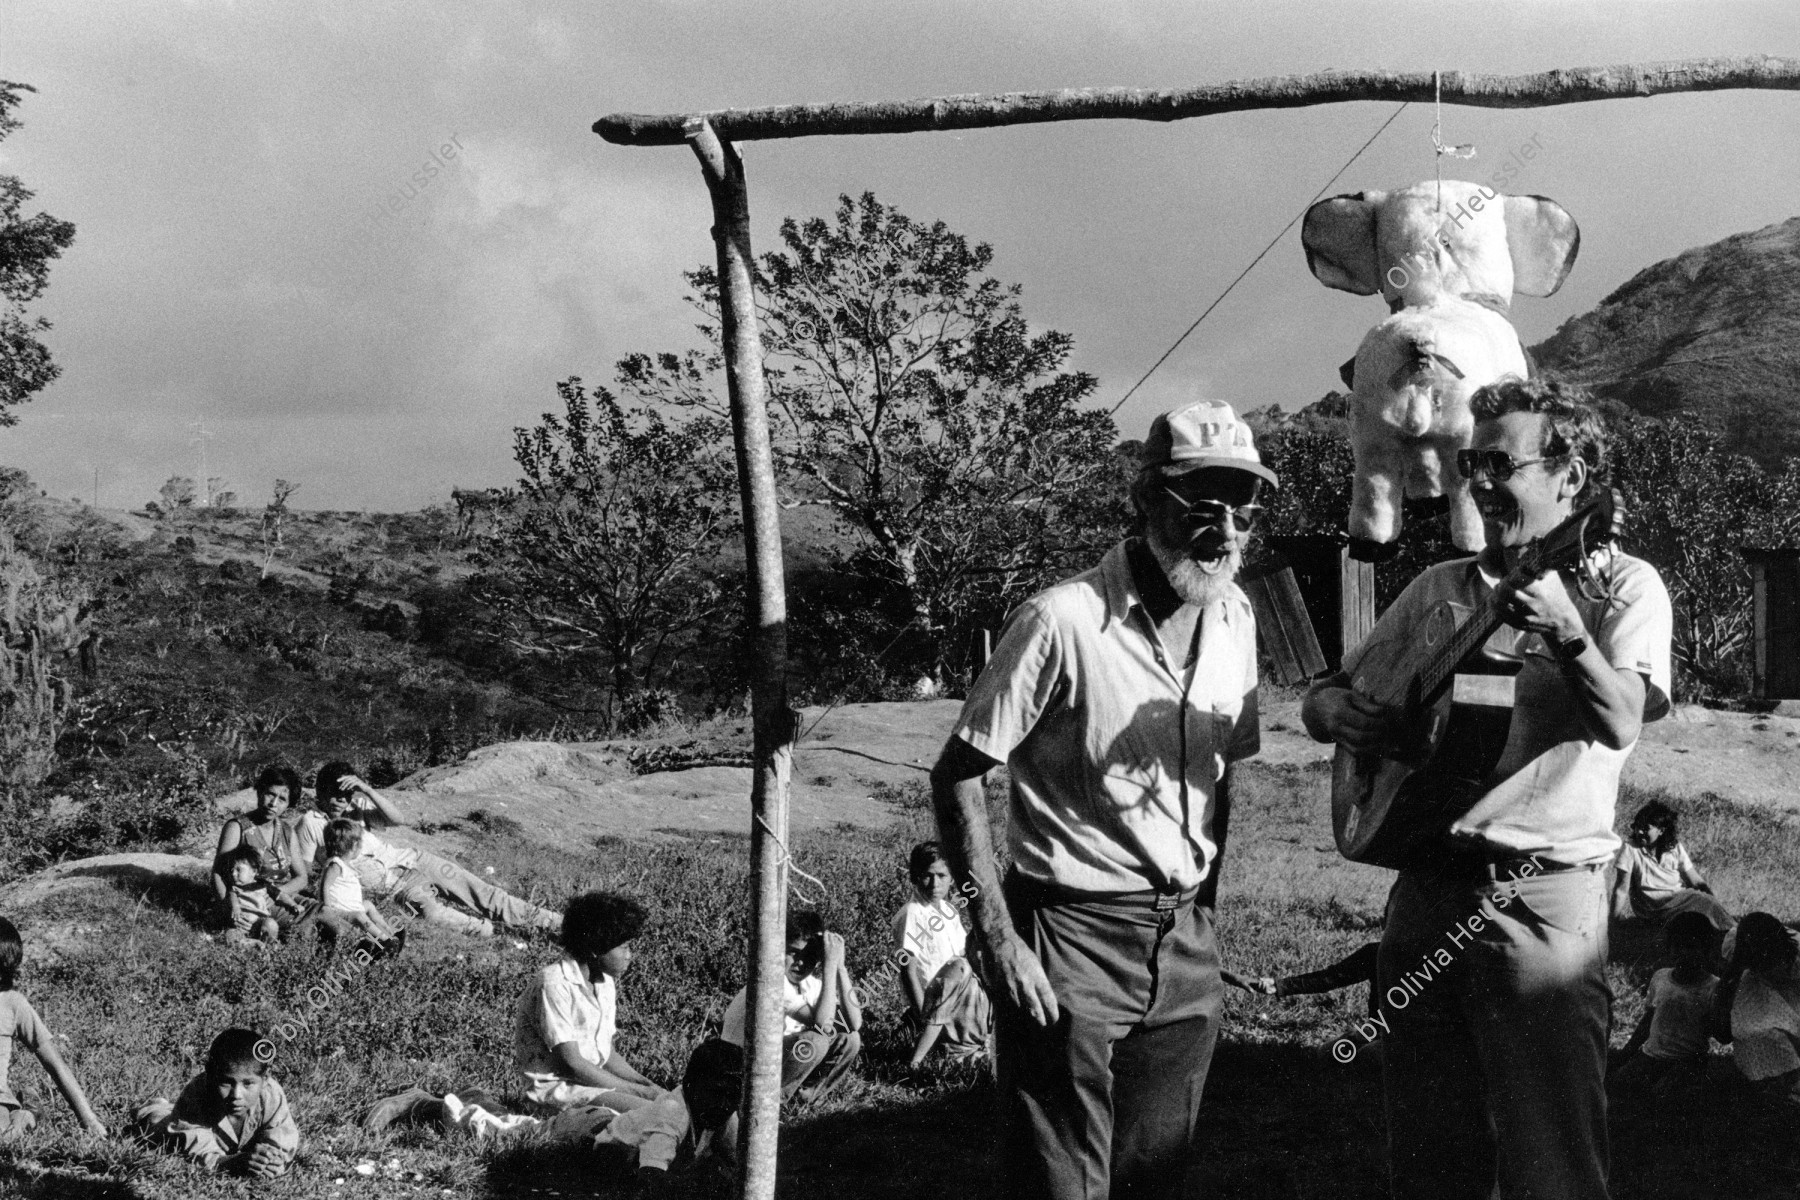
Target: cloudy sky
223, 161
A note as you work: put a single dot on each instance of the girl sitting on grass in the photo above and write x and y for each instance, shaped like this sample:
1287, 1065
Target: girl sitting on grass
567, 1017
417, 878
20, 1024
1657, 878
231, 1117
1762, 994
341, 894
819, 1042
1668, 1049
945, 1001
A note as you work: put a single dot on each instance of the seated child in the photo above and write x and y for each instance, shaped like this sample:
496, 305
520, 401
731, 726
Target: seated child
944, 999
341, 894
566, 1019
230, 1117
20, 1023
696, 1117
1655, 876
817, 1038
251, 899
1668, 1048
1763, 987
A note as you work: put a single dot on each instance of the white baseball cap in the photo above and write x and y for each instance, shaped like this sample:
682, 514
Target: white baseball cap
1206, 433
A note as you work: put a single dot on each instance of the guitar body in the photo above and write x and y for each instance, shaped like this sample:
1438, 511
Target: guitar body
1387, 808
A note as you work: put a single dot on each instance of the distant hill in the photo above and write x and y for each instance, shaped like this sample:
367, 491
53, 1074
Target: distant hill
1714, 331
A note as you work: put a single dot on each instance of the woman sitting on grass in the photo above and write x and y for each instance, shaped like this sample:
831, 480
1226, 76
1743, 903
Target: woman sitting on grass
341, 894
272, 829
231, 1117
566, 1019
818, 1040
945, 1002
414, 877
1762, 994
1657, 878
20, 1024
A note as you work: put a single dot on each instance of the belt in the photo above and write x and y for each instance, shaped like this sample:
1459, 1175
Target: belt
1502, 866
1155, 899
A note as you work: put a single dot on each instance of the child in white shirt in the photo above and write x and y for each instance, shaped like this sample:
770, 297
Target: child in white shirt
820, 1032
944, 999
20, 1025
1669, 1047
341, 893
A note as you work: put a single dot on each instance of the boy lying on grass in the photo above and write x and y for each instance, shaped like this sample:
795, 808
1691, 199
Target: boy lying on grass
819, 1042
231, 1117
20, 1023
566, 1018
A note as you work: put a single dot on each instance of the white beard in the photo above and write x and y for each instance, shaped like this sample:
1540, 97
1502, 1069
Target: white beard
1198, 583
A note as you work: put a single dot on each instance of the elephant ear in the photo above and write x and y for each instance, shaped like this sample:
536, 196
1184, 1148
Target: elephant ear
1339, 236
1544, 241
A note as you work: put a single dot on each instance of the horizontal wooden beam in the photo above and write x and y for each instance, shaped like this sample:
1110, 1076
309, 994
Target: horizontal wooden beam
1571, 86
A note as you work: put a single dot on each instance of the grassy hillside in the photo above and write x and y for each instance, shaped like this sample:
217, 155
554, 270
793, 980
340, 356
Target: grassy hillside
1714, 331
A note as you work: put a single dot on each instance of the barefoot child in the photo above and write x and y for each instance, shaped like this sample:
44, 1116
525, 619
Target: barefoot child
944, 1000
251, 899
818, 1041
19, 1023
565, 1021
340, 893
231, 1117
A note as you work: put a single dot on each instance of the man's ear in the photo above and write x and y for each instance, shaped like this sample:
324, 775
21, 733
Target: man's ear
1543, 240
1576, 477
1339, 236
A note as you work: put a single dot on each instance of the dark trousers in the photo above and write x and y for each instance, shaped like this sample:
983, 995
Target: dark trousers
1103, 1103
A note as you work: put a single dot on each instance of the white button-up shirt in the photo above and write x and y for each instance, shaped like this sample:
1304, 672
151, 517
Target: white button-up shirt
1114, 762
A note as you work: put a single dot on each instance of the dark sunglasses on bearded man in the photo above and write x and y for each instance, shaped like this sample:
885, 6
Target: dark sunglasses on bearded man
1209, 497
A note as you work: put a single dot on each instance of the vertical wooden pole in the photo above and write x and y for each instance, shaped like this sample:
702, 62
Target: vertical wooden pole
772, 720
1356, 601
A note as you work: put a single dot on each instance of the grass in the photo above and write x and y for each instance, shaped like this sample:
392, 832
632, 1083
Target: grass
1282, 1119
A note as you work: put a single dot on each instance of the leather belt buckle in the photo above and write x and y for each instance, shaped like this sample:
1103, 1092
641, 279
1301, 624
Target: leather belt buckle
1168, 901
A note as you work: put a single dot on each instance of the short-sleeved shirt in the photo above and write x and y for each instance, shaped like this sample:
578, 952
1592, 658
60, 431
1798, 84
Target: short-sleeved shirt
932, 933
561, 1004
799, 1004
1657, 876
1683, 1015
251, 903
1114, 769
269, 1120
1553, 791
19, 1023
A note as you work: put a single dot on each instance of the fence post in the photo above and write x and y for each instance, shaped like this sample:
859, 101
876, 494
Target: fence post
772, 720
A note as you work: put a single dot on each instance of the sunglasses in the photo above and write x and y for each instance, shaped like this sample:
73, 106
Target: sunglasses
1497, 465
1203, 512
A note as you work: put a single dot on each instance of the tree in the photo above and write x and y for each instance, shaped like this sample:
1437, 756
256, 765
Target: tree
177, 493
40, 626
601, 559
27, 247
274, 517
909, 397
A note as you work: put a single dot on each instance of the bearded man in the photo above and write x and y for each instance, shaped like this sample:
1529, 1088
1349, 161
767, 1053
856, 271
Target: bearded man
1119, 700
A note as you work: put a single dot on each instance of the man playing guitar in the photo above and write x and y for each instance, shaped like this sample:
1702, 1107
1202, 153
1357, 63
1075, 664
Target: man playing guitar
1492, 964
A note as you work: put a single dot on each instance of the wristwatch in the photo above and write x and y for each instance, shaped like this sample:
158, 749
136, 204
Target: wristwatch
1567, 650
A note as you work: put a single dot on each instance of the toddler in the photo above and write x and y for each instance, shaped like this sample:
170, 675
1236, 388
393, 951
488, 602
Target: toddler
250, 898
341, 894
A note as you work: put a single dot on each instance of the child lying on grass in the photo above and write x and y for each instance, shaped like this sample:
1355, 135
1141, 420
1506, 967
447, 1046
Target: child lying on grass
819, 1042
20, 1023
231, 1117
566, 1018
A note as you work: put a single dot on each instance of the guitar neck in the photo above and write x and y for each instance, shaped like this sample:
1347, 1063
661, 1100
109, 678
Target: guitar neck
1470, 634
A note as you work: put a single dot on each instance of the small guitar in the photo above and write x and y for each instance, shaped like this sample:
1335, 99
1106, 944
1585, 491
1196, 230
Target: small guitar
1449, 680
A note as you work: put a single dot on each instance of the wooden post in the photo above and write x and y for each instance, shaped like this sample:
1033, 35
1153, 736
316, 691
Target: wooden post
772, 720
1356, 600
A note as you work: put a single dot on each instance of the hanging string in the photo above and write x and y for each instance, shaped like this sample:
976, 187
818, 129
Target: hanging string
1265, 250
787, 861
1466, 150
